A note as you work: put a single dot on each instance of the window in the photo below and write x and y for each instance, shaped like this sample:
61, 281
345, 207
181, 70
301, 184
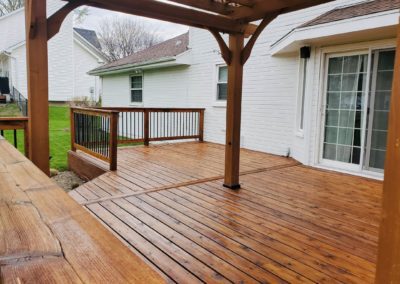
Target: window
302, 93
137, 89
222, 83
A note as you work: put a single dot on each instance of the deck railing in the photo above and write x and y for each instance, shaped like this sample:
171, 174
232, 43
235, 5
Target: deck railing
13, 124
98, 131
159, 124
94, 131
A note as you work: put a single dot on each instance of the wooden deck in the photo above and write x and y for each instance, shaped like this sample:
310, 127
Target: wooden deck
288, 224
46, 237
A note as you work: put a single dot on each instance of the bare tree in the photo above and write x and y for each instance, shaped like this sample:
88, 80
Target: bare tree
7, 6
121, 37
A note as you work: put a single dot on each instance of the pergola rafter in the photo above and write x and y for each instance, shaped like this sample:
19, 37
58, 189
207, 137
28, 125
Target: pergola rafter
235, 18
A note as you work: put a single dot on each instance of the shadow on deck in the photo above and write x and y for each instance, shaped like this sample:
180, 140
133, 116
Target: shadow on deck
288, 223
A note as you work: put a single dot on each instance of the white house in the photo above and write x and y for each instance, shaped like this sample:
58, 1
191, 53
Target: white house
316, 88
72, 53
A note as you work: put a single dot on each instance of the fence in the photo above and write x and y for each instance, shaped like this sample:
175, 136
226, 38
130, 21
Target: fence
20, 100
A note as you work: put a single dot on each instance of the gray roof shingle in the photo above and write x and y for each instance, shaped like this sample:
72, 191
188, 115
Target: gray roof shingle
358, 10
168, 48
90, 36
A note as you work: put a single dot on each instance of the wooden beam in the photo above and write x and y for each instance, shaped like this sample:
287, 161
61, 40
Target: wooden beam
216, 7
233, 112
225, 51
55, 21
172, 13
261, 8
388, 266
37, 68
250, 44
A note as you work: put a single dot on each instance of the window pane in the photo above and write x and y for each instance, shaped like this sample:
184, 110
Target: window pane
330, 151
136, 96
223, 74
136, 82
333, 100
222, 91
332, 118
334, 83
377, 159
348, 100
347, 118
345, 136
350, 64
386, 60
384, 80
378, 140
331, 135
335, 65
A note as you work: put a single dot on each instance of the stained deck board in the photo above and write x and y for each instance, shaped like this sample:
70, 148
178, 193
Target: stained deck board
288, 224
47, 237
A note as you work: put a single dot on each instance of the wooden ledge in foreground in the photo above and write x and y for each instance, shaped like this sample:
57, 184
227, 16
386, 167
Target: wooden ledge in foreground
46, 237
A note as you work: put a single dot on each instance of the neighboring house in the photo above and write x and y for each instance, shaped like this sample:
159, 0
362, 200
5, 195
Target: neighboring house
316, 88
72, 53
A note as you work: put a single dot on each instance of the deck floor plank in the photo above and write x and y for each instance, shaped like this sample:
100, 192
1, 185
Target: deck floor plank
287, 224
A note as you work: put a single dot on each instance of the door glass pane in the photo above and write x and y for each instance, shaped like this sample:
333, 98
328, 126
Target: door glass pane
344, 108
380, 97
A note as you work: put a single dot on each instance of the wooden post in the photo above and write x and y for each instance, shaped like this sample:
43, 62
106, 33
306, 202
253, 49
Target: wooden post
146, 127
38, 90
201, 125
113, 140
72, 127
233, 112
388, 266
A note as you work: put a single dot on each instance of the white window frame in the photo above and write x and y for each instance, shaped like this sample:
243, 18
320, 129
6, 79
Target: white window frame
218, 100
135, 89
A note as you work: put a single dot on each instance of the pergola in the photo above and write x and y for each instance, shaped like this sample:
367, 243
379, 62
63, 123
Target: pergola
233, 17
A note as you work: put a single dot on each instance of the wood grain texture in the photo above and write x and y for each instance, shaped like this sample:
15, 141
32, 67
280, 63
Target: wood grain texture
288, 224
388, 270
46, 237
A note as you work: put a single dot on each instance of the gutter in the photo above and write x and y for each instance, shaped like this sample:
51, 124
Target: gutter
129, 67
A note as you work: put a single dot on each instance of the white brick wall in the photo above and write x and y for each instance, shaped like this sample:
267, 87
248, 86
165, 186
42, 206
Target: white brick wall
269, 90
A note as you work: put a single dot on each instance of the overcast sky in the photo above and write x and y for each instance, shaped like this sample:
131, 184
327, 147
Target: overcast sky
165, 29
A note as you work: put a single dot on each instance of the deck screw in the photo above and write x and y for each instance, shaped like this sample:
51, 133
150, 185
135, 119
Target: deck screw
397, 143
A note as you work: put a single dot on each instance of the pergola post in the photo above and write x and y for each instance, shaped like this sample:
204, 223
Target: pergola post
388, 266
233, 112
38, 90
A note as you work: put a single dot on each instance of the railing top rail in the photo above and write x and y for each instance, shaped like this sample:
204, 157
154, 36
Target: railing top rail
22, 118
94, 111
152, 109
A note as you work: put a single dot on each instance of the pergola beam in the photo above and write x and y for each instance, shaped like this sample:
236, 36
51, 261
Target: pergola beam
55, 21
262, 7
172, 13
217, 7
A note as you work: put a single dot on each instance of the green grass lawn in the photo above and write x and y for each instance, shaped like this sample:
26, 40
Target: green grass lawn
9, 110
59, 134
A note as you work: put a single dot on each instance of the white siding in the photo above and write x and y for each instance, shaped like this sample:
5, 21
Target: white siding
83, 83
269, 91
61, 55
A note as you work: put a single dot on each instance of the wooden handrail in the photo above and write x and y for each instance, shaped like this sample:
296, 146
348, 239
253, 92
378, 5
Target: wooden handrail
16, 123
95, 132
127, 125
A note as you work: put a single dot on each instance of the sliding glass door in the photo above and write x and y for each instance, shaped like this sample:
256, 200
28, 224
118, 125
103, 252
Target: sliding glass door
346, 92
379, 102
357, 105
